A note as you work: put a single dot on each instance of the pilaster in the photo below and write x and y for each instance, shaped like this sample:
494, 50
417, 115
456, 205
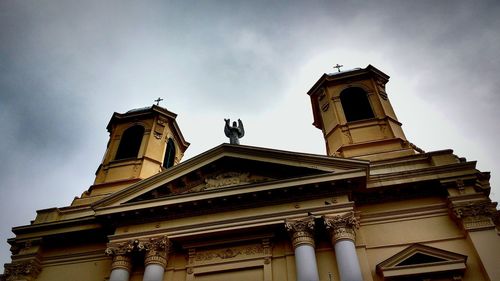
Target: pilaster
471, 208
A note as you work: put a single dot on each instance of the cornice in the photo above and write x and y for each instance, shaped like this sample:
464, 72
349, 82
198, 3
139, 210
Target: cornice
403, 159
423, 174
74, 258
368, 218
358, 73
51, 228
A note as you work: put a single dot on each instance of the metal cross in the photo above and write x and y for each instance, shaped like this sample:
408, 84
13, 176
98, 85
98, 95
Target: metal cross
338, 66
158, 100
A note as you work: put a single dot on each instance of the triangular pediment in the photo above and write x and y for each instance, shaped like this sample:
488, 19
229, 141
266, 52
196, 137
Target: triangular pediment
422, 260
232, 167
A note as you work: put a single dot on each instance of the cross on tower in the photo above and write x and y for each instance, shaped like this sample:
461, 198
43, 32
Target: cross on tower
338, 66
158, 100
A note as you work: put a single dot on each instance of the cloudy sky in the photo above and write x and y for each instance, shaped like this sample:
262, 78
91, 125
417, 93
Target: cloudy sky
66, 66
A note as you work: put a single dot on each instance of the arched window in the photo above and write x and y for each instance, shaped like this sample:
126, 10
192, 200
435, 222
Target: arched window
168, 160
355, 104
130, 142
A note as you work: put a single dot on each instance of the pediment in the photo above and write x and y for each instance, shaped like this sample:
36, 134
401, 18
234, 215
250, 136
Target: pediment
231, 167
422, 260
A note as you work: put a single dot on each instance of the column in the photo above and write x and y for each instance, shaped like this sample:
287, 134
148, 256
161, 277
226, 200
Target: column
122, 263
155, 260
342, 231
302, 234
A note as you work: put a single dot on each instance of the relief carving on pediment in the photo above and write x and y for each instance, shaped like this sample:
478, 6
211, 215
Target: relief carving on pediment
228, 179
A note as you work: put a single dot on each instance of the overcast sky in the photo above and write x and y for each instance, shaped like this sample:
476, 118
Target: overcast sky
66, 66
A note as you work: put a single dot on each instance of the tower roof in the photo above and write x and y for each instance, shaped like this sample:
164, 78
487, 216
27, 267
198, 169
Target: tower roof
355, 72
142, 112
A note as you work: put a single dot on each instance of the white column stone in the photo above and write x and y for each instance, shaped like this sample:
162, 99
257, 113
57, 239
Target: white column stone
302, 234
153, 272
342, 231
347, 261
119, 274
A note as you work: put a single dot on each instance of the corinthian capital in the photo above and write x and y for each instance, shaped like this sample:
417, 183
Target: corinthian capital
301, 231
22, 270
475, 215
157, 249
120, 251
341, 226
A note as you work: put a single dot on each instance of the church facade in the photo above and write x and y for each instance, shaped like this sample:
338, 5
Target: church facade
374, 207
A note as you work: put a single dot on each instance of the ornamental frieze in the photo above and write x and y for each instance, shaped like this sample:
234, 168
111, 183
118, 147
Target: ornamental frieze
226, 253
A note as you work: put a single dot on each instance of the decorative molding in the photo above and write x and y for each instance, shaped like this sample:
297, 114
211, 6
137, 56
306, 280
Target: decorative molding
347, 133
381, 88
159, 128
325, 107
26, 270
301, 231
322, 94
341, 226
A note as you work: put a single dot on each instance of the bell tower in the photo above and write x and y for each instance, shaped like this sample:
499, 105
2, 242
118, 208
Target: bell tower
142, 143
354, 112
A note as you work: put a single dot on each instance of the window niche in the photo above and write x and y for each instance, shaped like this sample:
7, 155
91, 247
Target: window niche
130, 143
355, 104
168, 160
